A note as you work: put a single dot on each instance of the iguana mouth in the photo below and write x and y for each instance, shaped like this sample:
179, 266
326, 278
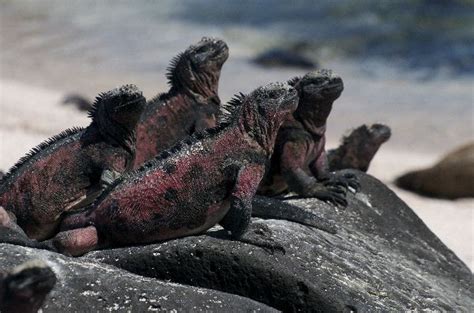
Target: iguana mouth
127, 104
381, 132
332, 88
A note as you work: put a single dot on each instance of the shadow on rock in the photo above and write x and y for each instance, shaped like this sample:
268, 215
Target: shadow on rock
88, 286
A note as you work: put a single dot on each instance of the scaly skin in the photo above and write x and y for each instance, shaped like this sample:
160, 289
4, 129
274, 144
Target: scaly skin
206, 179
70, 170
358, 149
190, 105
25, 288
299, 163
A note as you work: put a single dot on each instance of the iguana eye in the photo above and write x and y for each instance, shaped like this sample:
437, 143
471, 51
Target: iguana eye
319, 81
273, 95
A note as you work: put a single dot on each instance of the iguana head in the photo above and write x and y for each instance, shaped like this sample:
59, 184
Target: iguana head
196, 71
364, 137
317, 91
363, 142
265, 109
379, 133
116, 113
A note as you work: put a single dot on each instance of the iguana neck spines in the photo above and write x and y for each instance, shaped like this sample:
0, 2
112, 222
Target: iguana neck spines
190, 105
359, 148
192, 186
64, 172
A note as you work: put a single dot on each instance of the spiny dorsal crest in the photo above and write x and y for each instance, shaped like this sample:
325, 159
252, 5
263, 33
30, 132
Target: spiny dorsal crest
293, 81
38, 149
171, 71
129, 91
228, 110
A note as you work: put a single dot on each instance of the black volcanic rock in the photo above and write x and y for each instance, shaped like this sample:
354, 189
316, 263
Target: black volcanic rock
382, 258
88, 286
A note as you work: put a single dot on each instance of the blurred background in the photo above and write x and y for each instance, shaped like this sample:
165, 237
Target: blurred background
406, 63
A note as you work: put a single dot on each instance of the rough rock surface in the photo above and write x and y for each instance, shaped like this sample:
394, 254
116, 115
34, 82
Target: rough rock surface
88, 286
382, 258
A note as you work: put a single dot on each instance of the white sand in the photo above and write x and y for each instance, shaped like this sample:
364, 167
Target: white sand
31, 114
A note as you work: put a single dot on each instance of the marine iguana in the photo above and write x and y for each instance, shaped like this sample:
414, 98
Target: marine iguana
358, 148
299, 163
208, 178
190, 105
69, 170
25, 288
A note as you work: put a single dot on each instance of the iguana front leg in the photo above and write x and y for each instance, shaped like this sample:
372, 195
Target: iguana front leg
320, 169
292, 163
107, 177
237, 220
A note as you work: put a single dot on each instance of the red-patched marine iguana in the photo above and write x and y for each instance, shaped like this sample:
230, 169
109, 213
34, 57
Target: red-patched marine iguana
69, 170
358, 148
208, 178
299, 163
190, 105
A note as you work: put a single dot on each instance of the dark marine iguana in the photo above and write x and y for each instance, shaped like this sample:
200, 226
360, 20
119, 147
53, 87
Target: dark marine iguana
190, 105
299, 163
69, 170
25, 288
208, 178
358, 148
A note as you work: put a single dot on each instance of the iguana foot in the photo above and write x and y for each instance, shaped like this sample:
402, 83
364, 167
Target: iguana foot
346, 180
259, 234
328, 192
76, 242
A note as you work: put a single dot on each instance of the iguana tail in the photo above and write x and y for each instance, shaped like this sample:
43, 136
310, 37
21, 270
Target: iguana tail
75, 219
270, 208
